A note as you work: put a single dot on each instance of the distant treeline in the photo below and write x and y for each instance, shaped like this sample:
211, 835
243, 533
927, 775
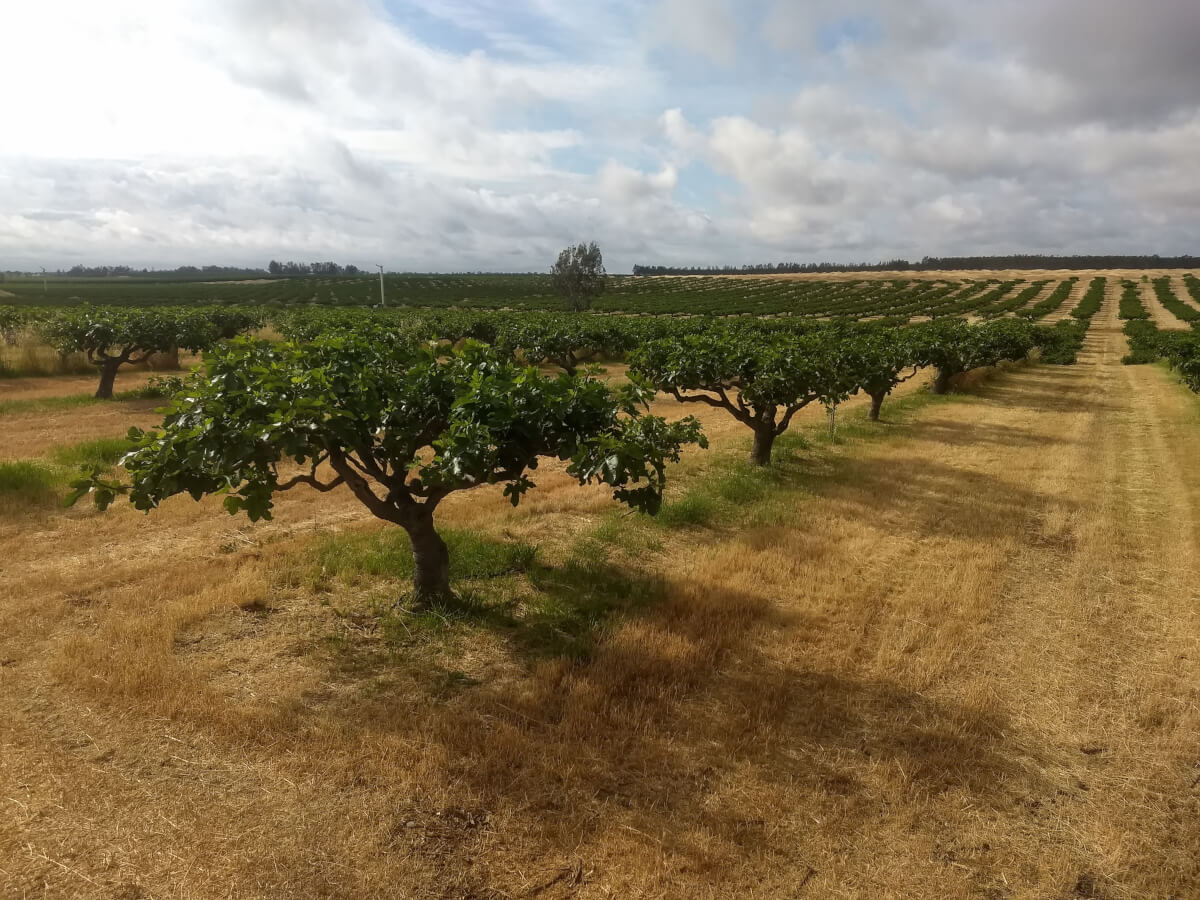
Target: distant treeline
324, 269
181, 272
938, 263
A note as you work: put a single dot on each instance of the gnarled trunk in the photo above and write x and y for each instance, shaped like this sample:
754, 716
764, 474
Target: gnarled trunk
108, 375
876, 405
764, 440
941, 384
431, 575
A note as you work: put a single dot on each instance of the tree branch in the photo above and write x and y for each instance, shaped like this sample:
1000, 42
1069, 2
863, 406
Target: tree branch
367, 464
312, 481
388, 510
702, 398
787, 416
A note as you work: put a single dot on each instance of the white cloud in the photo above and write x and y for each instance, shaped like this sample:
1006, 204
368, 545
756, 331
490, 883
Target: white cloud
705, 27
235, 130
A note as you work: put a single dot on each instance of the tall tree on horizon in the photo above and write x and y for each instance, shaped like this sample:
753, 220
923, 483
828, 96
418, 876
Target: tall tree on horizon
579, 275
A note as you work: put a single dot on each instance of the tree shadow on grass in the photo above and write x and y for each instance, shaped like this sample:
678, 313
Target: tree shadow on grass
679, 723
965, 434
1044, 388
538, 611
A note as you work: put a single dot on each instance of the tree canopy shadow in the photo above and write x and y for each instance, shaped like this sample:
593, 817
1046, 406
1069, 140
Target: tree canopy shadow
680, 714
1043, 388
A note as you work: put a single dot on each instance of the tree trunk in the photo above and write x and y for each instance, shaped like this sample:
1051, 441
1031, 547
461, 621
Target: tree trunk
941, 384
431, 575
168, 359
108, 375
876, 405
760, 453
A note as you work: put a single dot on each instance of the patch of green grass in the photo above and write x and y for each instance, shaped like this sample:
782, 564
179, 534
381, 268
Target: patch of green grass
788, 444
387, 553
47, 404
694, 508
540, 610
101, 452
29, 480
630, 531
70, 401
744, 483
46, 479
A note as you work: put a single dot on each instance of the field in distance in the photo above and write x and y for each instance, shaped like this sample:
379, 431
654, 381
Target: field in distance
899, 296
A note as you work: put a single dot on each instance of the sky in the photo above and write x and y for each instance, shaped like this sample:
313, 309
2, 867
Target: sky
485, 135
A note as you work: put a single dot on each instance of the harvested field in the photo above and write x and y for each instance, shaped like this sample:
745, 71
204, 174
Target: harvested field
1159, 314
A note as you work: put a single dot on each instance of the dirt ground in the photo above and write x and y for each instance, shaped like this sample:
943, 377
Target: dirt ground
956, 654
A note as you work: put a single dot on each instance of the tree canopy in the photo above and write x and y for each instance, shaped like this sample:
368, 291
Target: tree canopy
762, 379
579, 275
402, 429
883, 358
112, 337
953, 346
12, 320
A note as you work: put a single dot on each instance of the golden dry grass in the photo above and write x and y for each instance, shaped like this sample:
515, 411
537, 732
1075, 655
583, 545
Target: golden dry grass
1179, 286
48, 386
954, 656
34, 433
1077, 292
1159, 314
29, 358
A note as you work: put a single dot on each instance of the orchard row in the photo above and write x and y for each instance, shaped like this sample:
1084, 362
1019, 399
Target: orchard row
406, 409
112, 337
1147, 343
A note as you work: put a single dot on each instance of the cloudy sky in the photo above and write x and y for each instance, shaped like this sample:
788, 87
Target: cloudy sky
486, 134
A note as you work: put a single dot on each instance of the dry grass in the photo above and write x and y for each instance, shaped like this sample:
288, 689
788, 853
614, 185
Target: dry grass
30, 360
953, 655
29, 357
1081, 287
1179, 286
35, 432
1159, 314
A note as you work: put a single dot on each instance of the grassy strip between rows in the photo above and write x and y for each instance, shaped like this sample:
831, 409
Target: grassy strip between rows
558, 603
37, 481
73, 401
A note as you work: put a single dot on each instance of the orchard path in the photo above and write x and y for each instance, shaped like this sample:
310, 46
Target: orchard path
1027, 587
